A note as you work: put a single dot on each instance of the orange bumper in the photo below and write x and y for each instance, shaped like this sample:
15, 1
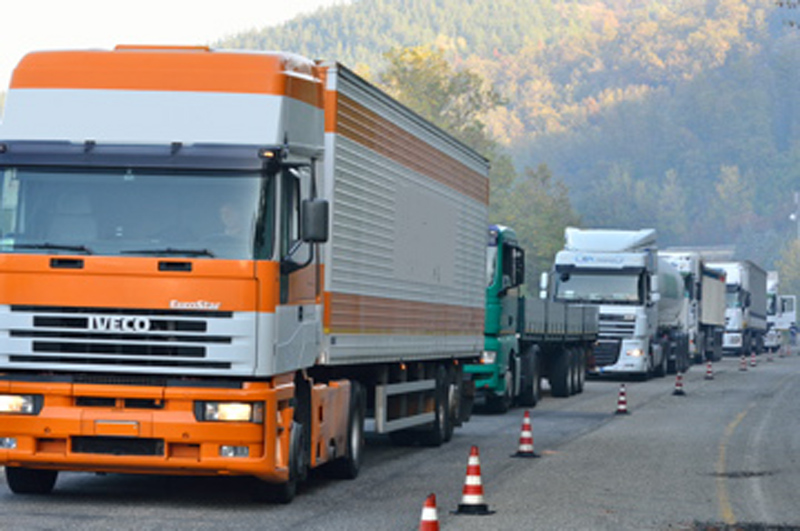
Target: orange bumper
133, 429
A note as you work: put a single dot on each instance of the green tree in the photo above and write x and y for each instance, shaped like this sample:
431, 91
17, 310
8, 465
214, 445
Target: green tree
540, 209
788, 266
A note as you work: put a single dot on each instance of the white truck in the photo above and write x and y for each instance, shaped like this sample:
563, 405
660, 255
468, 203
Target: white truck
781, 314
746, 307
639, 298
703, 310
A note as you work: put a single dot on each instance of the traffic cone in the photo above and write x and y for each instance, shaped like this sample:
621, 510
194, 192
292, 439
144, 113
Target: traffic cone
753, 358
769, 356
472, 495
679, 384
709, 371
526, 439
430, 519
622, 401
743, 363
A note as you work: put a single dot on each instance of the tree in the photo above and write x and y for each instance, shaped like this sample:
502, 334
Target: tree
788, 266
540, 210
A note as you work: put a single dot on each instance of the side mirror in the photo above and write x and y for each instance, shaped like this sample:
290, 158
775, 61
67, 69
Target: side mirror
314, 214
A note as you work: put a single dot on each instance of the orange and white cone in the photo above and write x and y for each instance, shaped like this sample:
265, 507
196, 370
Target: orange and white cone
709, 371
679, 385
472, 496
526, 439
743, 363
753, 358
622, 401
430, 518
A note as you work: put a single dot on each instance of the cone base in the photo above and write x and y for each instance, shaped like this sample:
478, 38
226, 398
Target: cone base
480, 509
622, 412
678, 392
526, 454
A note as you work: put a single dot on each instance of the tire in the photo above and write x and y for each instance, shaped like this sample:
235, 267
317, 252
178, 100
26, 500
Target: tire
581, 369
436, 435
660, 370
559, 375
453, 401
284, 493
30, 480
501, 404
532, 390
349, 465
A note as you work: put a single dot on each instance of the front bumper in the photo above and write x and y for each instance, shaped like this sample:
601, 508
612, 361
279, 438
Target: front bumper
133, 429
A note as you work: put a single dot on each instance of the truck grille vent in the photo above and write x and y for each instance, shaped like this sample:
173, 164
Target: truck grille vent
606, 352
116, 337
615, 327
117, 446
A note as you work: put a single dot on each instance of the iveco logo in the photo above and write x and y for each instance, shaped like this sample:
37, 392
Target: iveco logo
119, 324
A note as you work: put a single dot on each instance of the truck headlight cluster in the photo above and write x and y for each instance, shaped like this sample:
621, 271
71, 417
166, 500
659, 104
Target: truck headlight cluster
488, 357
20, 404
635, 352
230, 412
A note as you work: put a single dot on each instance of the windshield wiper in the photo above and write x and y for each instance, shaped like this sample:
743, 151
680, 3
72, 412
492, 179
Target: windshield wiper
53, 247
171, 251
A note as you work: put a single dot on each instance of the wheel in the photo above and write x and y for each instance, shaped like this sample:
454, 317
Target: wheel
437, 433
30, 480
285, 492
581, 369
453, 401
501, 404
559, 375
573, 372
531, 391
348, 466
660, 370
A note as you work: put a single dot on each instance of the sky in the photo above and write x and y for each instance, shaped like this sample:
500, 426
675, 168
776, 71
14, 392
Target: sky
29, 25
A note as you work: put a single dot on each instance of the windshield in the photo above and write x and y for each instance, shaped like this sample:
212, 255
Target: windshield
732, 299
135, 212
600, 287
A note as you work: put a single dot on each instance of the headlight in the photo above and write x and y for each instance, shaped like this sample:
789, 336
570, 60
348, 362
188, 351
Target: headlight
488, 356
230, 412
636, 353
20, 404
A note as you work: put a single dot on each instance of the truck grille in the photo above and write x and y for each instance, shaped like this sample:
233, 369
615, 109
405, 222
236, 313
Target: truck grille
606, 352
108, 338
615, 327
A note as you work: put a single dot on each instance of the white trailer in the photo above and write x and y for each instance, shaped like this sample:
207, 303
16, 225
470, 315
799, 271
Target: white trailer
746, 306
703, 311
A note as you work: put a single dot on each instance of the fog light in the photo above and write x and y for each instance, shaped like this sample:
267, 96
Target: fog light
234, 451
8, 443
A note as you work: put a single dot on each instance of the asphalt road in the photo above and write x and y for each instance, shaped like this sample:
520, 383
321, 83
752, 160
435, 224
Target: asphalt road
722, 456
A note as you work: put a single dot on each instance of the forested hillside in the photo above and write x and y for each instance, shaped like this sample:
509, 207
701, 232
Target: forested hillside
678, 114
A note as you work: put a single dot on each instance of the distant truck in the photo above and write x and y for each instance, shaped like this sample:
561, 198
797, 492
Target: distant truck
746, 307
219, 263
781, 314
638, 295
527, 339
703, 311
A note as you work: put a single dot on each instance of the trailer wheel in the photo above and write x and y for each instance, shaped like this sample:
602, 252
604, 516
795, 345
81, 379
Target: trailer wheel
559, 374
348, 466
30, 480
437, 434
453, 401
580, 369
531, 391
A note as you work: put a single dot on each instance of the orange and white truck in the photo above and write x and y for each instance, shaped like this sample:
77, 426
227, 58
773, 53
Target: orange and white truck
227, 263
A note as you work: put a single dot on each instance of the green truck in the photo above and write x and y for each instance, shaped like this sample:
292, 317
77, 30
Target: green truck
527, 339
